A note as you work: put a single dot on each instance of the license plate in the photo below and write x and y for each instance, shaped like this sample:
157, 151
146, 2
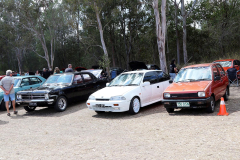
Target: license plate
183, 104
32, 104
100, 105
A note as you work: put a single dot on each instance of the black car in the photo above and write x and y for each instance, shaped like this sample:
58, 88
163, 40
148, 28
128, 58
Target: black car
60, 89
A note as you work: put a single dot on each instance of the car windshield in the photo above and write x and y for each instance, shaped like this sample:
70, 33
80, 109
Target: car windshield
16, 81
194, 74
127, 79
59, 79
225, 63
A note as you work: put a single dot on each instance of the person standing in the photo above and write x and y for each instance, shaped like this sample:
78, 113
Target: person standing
69, 69
56, 70
37, 73
6, 84
45, 73
173, 69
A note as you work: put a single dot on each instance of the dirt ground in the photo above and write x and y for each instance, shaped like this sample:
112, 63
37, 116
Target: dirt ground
78, 133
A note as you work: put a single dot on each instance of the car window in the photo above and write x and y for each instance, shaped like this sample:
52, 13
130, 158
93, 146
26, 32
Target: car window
221, 70
16, 81
162, 76
87, 77
215, 71
224, 63
127, 79
25, 82
35, 80
152, 77
77, 79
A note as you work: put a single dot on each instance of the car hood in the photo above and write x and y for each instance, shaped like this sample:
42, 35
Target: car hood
42, 89
134, 65
108, 92
188, 86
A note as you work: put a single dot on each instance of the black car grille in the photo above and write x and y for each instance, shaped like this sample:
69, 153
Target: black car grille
33, 96
186, 95
102, 99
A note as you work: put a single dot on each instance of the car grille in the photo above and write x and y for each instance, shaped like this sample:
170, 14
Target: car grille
186, 95
97, 99
31, 96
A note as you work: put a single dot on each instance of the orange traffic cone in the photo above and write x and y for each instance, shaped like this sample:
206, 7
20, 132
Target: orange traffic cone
222, 111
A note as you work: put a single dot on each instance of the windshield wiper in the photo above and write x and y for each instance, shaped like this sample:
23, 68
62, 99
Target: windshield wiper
132, 85
203, 79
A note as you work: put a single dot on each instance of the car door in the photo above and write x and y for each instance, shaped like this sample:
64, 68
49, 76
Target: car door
163, 79
78, 86
89, 83
217, 84
223, 79
146, 94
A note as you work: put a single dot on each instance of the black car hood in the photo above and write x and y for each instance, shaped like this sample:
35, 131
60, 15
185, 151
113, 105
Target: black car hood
137, 65
42, 89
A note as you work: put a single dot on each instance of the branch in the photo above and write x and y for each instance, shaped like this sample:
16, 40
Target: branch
191, 8
106, 25
146, 3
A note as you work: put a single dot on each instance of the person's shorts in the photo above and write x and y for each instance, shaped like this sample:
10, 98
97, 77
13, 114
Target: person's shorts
6, 97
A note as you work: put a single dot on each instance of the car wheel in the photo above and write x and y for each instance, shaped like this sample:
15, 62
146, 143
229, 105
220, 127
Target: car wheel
211, 107
61, 104
29, 108
3, 106
170, 110
100, 112
134, 106
226, 95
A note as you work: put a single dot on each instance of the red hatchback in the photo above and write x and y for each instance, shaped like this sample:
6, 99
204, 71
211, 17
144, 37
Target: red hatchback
229, 63
197, 86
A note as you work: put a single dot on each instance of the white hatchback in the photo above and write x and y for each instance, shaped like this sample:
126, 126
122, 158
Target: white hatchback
130, 91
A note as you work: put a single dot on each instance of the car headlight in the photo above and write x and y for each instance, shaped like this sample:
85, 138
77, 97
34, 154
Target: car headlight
46, 96
167, 95
19, 96
115, 98
201, 94
91, 98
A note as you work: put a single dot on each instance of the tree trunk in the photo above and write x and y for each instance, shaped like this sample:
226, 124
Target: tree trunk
160, 32
177, 33
185, 56
102, 39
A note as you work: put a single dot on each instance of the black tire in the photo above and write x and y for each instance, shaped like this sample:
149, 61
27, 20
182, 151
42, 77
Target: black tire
134, 110
211, 105
100, 112
170, 110
3, 106
226, 95
29, 108
61, 104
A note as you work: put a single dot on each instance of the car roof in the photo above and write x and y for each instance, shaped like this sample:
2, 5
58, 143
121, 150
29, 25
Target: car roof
141, 71
224, 60
200, 65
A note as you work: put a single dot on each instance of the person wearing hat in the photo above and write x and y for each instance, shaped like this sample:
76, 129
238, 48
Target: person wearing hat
6, 84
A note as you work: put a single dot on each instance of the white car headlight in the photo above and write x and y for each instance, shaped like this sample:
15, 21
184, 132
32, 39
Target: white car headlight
166, 95
19, 96
46, 96
201, 94
91, 98
116, 98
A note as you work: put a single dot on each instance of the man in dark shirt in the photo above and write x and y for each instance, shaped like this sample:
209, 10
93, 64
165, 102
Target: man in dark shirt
173, 69
45, 73
69, 69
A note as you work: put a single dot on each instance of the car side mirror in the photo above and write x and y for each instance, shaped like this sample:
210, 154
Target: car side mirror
216, 78
147, 83
170, 81
107, 84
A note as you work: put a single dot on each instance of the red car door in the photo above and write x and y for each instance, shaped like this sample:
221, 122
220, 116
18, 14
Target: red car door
224, 79
216, 84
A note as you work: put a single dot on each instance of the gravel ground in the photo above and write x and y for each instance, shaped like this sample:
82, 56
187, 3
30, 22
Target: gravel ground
79, 133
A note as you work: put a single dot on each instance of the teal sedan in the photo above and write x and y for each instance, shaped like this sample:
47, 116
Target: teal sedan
22, 83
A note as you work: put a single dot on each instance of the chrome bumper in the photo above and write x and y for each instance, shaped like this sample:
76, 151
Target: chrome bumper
34, 100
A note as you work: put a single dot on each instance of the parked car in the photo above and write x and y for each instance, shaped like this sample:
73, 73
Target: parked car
137, 65
60, 89
130, 91
1, 77
22, 83
197, 86
229, 63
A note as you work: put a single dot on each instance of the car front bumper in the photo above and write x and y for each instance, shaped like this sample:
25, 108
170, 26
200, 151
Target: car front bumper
194, 103
110, 106
38, 102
